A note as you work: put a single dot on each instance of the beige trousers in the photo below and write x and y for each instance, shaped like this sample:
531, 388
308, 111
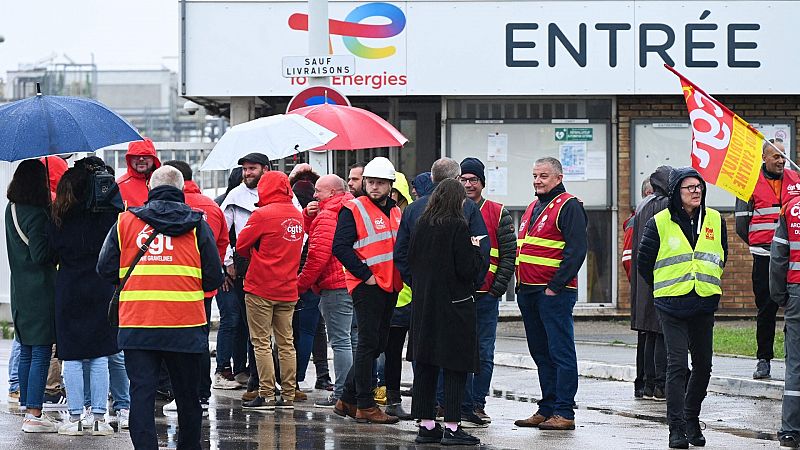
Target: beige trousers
267, 318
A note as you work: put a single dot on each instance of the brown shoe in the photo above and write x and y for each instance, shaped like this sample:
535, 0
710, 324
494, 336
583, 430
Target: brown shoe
557, 423
249, 396
300, 396
531, 422
345, 409
374, 415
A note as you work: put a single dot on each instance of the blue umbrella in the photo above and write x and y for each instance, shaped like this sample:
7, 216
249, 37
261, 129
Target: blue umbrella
49, 125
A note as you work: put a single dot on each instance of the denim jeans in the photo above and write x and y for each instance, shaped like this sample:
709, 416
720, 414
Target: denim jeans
118, 382
229, 318
551, 341
13, 367
304, 328
74, 371
34, 362
337, 309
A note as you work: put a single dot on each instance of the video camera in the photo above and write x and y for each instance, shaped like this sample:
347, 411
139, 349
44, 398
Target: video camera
102, 191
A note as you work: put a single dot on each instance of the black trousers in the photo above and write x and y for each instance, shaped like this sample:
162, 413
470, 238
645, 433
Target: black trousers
205, 363
373, 308
320, 351
767, 309
423, 393
692, 335
142, 367
651, 360
393, 367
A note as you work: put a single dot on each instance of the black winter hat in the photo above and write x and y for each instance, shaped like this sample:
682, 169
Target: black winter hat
475, 167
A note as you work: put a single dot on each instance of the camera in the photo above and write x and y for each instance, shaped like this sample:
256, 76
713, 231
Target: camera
191, 107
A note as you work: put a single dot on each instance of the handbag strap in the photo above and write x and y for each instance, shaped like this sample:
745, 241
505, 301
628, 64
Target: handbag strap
142, 251
16, 224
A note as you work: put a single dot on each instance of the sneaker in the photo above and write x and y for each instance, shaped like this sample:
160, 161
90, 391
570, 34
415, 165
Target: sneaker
284, 404
328, 402
259, 403
13, 397
123, 419
101, 428
647, 392
71, 428
638, 393
762, 370
303, 386
480, 412
471, 420
54, 402
426, 436
242, 378
171, 407
323, 384
87, 418
249, 396
789, 441
658, 394
41, 424
221, 382
458, 437
380, 395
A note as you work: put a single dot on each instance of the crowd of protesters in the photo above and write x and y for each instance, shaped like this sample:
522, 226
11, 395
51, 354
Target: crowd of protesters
373, 264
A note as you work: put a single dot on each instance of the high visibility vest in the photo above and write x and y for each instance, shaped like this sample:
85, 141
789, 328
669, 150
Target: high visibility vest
679, 269
374, 244
767, 206
792, 216
165, 289
491, 212
540, 247
404, 297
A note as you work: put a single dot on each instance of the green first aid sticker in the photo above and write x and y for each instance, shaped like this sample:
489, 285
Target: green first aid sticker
574, 134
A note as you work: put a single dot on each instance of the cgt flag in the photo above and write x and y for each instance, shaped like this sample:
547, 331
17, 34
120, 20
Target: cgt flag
726, 150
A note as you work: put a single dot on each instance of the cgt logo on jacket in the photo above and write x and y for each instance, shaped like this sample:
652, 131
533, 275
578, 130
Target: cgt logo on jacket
293, 230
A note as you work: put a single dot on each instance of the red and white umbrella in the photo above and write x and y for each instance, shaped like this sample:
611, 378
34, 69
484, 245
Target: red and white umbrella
355, 128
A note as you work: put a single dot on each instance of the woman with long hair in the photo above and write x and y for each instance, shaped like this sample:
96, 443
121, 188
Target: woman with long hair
33, 276
84, 337
444, 260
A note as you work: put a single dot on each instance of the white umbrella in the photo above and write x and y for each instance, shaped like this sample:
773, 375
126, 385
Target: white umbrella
276, 136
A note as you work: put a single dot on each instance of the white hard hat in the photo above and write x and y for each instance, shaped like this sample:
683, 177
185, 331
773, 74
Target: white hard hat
379, 167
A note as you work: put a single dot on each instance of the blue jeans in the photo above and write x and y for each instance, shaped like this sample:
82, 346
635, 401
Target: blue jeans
13, 367
304, 327
337, 309
118, 382
229, 318
34, 362
551, 341
74, 372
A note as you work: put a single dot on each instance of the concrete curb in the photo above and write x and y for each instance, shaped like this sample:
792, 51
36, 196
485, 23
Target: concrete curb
736, 386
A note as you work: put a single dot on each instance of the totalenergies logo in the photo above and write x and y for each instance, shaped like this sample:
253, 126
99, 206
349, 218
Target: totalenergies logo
351, 29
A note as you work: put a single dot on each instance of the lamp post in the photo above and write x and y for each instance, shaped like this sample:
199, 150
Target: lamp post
318, 36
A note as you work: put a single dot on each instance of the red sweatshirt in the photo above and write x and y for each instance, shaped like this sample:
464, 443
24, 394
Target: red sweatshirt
276, 230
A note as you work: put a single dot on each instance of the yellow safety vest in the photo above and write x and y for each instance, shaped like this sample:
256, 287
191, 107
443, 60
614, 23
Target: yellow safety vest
678, 268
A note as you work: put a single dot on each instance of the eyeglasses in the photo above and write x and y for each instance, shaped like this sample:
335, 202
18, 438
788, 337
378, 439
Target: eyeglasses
693, 188
472, 181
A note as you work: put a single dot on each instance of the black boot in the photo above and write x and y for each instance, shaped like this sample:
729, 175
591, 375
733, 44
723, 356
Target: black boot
694, 432
677, 436
394, 406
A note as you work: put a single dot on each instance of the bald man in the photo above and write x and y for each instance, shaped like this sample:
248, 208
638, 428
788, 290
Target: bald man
325, 274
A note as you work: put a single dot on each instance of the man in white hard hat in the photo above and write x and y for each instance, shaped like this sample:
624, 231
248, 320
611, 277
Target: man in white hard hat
364, 243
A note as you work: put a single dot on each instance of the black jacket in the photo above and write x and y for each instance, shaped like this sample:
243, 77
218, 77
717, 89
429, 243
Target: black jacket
346, 235
507, 248
167, 212
688, 304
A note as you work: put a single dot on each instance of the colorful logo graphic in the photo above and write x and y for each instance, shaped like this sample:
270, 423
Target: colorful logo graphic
351, 29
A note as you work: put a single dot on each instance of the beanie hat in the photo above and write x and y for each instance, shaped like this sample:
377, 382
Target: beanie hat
475, 167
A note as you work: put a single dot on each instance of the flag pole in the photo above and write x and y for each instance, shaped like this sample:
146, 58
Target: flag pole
792, 163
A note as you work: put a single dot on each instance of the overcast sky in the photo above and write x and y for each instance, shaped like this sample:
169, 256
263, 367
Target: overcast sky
119, 33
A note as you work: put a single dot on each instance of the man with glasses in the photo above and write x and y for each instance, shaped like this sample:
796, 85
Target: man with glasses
756, 221
142, 161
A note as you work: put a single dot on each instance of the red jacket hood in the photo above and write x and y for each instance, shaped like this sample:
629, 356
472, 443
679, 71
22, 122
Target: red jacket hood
335, 202
141, 148
56, 166
274, 187
190, 187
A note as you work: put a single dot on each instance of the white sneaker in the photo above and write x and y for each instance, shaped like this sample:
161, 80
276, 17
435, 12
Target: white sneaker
220, 382
101, 428
303, 386
171, 406
41, 424
123, 416
70, 428
87, 419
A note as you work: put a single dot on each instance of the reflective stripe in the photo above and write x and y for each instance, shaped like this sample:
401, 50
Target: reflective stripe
781, 241
742, 213
627, 252
767, 211
549, 262
763, 226
794, 265
492, 268
542, 242
184, 271
677, 259
371, 239
708, 279
165, 326
794, 245
365, 218
626, 257
494, 252
710, 257
791, 393
162, 296
666, 283
386, 257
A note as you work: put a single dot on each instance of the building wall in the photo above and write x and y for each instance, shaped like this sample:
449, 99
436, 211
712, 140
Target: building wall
737, 298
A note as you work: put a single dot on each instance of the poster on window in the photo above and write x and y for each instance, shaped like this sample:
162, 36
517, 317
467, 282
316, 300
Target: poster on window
573, 160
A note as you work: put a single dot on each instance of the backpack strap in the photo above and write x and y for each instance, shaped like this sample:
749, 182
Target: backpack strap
16, 224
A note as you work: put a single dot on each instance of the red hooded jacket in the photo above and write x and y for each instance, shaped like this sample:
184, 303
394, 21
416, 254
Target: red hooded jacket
56, 166
273, 240
323, 270
133, 185
211, 212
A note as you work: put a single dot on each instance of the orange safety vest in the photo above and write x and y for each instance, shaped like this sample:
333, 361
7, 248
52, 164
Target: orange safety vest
540, 247
792, 215
767, 206
374, 245
165, 289
491, 212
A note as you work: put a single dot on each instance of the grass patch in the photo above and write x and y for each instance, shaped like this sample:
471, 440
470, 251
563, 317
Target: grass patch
742, 341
